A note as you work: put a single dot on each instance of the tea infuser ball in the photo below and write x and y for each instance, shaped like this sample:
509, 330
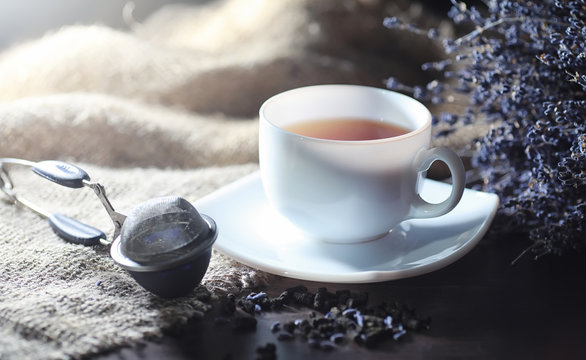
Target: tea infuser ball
166, 245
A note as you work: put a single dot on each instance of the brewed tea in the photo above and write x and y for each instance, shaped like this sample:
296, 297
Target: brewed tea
347, 129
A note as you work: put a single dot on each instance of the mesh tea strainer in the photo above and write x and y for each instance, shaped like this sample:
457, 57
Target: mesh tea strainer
164, 243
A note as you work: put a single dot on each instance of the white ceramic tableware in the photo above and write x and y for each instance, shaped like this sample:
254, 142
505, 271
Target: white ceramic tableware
253, 233
350, 191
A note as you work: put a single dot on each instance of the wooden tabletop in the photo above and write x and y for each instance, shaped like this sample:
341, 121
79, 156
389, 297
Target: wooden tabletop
482, 307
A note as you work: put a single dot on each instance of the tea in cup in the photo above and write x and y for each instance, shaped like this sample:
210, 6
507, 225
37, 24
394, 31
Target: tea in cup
345, 163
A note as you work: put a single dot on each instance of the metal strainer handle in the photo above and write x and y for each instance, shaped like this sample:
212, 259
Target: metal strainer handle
71, 176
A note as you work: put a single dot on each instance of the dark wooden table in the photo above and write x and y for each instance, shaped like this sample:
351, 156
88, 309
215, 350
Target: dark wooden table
481, 306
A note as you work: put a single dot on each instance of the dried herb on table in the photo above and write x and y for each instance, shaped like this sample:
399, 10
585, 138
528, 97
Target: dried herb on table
523, 69
345, 316
267, 352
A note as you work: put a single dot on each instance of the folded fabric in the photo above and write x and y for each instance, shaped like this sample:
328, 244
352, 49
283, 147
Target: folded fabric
167, 107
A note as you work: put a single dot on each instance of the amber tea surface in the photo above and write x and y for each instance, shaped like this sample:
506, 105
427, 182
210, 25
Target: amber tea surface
347, 129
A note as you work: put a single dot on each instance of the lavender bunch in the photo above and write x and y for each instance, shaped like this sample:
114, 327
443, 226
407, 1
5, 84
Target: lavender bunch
522, 68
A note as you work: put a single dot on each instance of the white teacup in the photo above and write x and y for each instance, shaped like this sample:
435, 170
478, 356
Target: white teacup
350, 191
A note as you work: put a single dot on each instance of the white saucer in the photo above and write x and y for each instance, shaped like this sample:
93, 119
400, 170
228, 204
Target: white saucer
251, 232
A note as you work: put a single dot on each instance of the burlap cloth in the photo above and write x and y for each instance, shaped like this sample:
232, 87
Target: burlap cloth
165, 107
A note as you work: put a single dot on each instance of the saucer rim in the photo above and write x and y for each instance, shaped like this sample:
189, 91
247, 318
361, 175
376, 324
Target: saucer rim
366, 276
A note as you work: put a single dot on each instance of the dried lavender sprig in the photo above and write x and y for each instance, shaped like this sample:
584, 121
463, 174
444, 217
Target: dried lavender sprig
492, 24
526, 77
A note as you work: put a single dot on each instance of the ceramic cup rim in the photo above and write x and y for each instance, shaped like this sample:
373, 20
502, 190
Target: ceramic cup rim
332, 87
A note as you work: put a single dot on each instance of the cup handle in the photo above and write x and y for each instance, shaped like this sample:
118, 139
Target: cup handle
423, 209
